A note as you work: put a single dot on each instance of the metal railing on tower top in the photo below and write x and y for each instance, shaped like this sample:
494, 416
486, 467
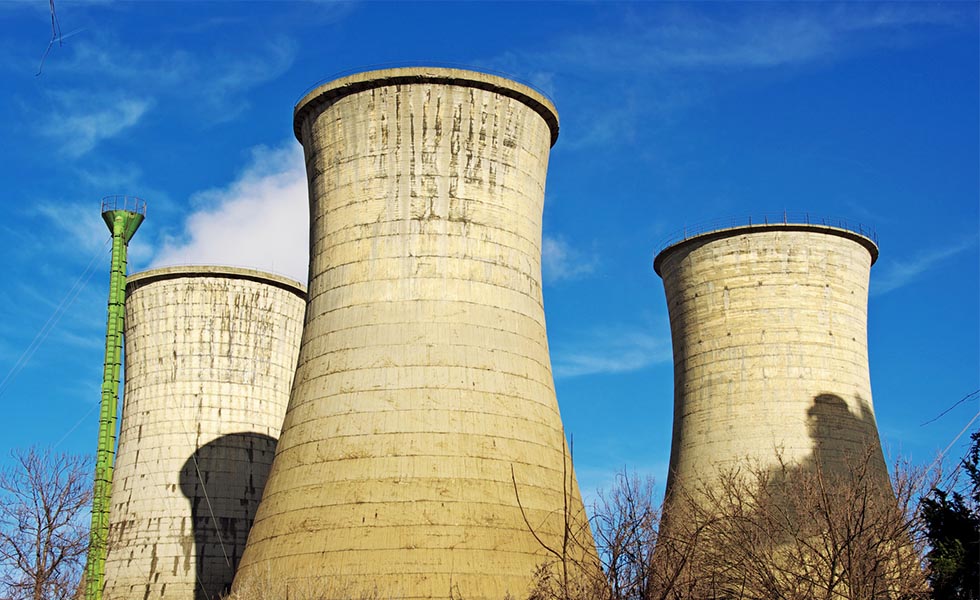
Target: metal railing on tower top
780, 218
121, 202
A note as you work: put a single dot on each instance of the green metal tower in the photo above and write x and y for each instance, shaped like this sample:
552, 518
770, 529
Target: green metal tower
123, 215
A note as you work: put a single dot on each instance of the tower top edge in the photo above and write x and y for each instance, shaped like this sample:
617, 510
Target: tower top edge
143, 278
865, 239
366, 80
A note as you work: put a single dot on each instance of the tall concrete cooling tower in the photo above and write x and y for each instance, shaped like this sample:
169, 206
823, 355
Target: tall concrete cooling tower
423, 417
210, 358
769, 329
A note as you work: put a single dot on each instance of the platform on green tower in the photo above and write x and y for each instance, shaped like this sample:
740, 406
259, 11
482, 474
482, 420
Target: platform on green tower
133, 208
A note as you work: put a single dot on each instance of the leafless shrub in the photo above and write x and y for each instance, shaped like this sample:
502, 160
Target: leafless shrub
625, 527
792, 532
44, 501
798, 532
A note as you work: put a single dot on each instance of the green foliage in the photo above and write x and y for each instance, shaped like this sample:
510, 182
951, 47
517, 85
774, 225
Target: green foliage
953, 522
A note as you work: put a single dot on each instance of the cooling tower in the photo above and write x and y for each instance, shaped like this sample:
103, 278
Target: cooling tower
210, 358
769, 329
422, 443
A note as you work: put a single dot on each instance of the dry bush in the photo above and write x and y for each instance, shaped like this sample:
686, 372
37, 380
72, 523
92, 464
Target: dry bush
625, 528
573, 572
790, 533
554, 581
796, 533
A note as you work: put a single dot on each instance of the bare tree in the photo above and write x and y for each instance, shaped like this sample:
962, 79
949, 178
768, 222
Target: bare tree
793, 532
44, 502
801, 532
625, 527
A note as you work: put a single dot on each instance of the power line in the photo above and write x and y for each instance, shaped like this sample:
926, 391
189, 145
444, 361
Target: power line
91, 410
943, 453
52, 321
972, 394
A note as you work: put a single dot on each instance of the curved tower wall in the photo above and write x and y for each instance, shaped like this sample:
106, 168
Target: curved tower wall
424, 385
769, 330
210, 358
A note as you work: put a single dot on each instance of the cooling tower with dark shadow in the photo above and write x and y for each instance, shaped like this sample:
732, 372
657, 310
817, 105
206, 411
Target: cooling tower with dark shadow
769, 329
422, 455
210, 358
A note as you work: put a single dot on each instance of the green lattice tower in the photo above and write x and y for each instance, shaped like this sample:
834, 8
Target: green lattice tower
123, 215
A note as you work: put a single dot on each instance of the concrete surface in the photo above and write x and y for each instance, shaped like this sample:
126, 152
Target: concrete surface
424, 387
210, 358
769, 330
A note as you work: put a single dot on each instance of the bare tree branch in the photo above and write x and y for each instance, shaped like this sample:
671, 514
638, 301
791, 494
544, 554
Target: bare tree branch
44, 498
792, 532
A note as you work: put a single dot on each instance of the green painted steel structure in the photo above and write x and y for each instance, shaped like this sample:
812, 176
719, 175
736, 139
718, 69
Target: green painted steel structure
123, 215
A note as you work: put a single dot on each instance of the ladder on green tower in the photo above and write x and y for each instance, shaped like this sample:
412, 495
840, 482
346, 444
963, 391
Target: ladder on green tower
123, 215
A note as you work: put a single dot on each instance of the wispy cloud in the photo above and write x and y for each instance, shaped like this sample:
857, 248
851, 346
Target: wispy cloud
898, 273
560, 261
670, 58
261, 220
222, 88
84, 340
83, 120
781, 35
92, 95
609, 350
112, 176
216, 79
81, 225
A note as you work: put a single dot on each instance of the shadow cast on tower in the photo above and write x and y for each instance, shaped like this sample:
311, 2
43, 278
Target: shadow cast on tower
223, 480
843, 441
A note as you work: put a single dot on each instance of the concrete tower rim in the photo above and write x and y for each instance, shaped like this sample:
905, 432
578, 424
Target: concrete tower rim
715, 234
331, 91
149, 276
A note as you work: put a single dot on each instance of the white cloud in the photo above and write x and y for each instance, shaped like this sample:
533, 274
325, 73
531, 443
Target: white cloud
895, 274
260, 220
609, 350
559, 261
83, 121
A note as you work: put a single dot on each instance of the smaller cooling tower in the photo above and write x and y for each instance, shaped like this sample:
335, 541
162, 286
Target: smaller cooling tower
210, 358
769, 329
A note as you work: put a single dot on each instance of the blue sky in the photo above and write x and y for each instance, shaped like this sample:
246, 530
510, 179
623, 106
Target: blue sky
671, 115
